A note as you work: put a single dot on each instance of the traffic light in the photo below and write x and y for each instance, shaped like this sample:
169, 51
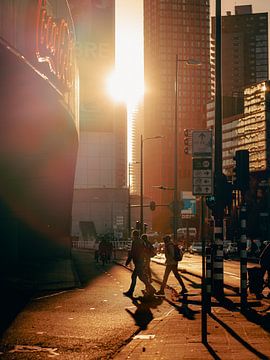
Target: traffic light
225, 193
241, 170
227, 189
186, 141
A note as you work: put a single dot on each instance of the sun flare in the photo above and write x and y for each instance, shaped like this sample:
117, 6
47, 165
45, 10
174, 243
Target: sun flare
125, 88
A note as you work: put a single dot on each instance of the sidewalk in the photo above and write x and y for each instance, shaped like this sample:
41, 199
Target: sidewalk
230, 333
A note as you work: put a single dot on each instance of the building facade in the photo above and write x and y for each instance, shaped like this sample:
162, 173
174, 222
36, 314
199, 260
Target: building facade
248, 131
173, 28
39, 130
244, 55
102, 156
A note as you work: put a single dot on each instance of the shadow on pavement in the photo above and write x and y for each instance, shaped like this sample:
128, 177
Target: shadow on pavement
238, 338
143, 314
183, 309
212, 352
13, 301
87, 268
262, 319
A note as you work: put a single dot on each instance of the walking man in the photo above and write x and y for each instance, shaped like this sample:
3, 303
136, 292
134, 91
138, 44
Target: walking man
138, 256
265, 264
150, 252
171, 265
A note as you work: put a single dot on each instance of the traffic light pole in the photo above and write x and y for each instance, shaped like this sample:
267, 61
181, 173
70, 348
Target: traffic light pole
218, 282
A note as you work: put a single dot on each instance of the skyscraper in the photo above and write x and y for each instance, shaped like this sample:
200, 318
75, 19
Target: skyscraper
100, 192
244, 55
176, 27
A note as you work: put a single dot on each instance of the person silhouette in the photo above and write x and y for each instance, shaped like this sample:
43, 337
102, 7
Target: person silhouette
171, 265
138, 254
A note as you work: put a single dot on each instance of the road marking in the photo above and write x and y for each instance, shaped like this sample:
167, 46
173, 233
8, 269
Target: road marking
51, 295
27, 348
145, 337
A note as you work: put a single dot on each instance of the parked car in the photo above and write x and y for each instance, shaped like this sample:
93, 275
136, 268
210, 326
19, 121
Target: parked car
195, 248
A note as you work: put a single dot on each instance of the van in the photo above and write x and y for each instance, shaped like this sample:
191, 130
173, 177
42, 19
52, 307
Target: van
182, 233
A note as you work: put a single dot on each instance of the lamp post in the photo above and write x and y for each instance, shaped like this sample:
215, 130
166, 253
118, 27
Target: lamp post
141, 195
129, 204
176, 202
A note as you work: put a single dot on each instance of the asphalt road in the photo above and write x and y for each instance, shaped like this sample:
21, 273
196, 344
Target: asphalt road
96, 320
92, 322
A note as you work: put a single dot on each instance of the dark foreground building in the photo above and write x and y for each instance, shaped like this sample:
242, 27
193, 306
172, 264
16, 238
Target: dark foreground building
38, 130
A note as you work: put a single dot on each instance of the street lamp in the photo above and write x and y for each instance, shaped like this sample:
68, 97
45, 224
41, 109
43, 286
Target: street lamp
175, 194
129, 205
141, 195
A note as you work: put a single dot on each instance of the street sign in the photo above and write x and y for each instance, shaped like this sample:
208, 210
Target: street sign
202, 176
202, 143
189, 207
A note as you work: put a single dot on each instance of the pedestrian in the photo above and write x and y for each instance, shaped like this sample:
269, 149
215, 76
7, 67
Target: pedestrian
171, 265
137, 254
96, 247
265, 264
103, 251
109, 250
150, 252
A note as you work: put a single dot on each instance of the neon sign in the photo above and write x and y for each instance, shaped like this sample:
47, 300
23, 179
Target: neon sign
54, 45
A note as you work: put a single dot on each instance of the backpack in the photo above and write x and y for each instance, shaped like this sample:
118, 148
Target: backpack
178, 253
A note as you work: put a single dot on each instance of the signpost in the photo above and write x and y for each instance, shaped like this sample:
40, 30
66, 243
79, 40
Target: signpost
202, 184
202, 176
202, 143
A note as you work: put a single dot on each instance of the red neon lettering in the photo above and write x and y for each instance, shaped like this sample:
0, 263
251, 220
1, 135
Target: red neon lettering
54, 45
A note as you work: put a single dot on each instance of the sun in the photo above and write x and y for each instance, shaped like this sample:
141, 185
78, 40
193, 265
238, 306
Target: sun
125, 87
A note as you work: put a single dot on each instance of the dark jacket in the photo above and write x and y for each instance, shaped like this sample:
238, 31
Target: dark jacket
137, 253
169, 253
265, 257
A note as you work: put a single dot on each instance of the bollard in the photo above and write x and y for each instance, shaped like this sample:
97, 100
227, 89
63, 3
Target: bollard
208, 278
218, 281
243, 255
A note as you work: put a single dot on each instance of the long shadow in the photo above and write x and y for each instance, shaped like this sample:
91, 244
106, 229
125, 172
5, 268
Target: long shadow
238, 338
193, 283
257, 318
143, 314
183, 309
87, 268
212, 351
13, 302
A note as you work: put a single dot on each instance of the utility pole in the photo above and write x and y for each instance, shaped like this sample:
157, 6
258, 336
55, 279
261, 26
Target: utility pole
218, 281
